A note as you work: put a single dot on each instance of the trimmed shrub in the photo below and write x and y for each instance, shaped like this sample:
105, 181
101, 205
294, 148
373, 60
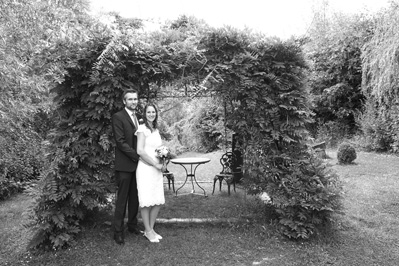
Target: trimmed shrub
346, 153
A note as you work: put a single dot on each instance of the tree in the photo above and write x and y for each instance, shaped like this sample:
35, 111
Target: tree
380, 60
28, 67
27, 29
334, 49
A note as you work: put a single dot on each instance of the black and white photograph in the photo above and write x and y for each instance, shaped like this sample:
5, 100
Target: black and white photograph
199, 133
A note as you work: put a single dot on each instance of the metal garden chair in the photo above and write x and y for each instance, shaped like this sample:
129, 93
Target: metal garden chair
228, 173
169, 175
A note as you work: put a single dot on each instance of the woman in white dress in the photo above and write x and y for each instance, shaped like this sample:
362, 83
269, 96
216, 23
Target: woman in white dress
149, 172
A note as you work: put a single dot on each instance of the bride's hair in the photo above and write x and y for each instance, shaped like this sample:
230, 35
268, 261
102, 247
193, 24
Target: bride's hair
155, 122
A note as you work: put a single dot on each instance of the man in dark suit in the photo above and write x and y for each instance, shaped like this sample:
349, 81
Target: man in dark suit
124, 125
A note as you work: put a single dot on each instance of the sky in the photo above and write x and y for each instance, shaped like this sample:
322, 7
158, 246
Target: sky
281, 18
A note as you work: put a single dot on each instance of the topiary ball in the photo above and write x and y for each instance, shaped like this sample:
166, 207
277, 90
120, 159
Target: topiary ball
346, 154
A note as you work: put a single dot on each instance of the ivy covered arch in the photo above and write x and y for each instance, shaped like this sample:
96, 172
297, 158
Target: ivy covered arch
261, 80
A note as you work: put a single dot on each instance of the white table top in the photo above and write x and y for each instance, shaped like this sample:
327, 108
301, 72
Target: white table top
189, 160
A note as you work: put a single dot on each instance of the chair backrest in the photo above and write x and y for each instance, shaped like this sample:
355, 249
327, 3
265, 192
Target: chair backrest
230, 166
226, 161
166, 168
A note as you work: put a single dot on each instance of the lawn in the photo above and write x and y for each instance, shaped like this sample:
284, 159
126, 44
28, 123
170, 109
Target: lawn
238, 231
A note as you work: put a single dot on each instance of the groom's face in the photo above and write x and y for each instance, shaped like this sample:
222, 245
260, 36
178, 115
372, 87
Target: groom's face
131, 100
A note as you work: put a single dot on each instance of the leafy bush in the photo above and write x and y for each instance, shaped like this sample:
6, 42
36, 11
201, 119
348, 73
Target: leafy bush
43, 122
211, 127
78, 163
27, 69
269, 111
332, 132
304, 192
8, 188
334, 50
335, 111
346, 154
21, 155
380, 126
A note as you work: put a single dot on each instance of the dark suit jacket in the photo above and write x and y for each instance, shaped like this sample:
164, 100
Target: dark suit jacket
126, 156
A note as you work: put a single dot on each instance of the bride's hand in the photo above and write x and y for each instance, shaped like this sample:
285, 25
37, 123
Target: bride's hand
158, 166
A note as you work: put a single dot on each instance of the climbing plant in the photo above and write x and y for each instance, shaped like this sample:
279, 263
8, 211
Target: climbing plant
269, 110
262, 82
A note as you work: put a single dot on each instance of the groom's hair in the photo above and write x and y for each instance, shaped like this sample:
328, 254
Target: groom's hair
129, 91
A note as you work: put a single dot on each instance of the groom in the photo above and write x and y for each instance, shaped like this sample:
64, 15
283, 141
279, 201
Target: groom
124, 125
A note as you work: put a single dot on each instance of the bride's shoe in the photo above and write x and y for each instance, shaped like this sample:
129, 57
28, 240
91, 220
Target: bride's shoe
151, 237
158, 236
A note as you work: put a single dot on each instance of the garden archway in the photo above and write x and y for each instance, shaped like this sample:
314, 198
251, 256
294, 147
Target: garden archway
261, 80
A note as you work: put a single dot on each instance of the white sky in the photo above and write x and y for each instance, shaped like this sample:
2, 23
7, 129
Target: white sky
281, 18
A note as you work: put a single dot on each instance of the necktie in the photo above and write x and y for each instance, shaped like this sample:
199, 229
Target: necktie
134, 118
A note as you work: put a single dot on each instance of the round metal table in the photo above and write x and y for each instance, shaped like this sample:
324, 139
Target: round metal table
193, 163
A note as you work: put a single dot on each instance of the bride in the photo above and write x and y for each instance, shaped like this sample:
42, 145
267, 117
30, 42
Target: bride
149, 172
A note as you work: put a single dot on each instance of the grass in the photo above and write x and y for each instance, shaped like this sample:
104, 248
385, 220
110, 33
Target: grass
367, 234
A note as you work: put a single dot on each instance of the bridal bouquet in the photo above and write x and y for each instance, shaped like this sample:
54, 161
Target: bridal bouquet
163, 153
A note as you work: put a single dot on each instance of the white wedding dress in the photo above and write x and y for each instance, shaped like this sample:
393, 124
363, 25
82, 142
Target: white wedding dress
150, 179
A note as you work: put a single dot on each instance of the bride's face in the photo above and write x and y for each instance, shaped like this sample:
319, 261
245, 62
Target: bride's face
150, 113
